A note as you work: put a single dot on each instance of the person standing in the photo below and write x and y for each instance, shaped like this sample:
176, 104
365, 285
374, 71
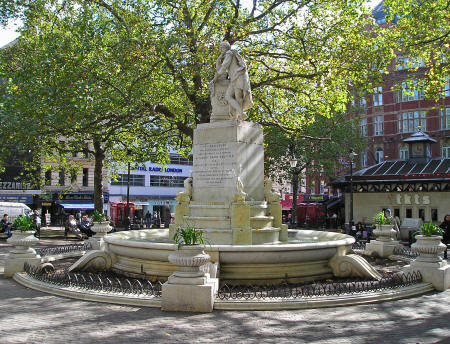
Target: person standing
148, 219
36, 218
446, 235
167, 215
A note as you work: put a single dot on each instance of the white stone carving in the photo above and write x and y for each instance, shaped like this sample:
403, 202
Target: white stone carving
95, 260
21, 253
352, 265
231, 68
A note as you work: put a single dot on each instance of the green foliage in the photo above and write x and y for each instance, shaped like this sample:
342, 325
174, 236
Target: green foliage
429, 229
381, 219
315, 156
98, 216
24, 224
188, 236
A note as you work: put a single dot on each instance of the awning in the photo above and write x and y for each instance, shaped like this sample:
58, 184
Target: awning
140, 203
81, 206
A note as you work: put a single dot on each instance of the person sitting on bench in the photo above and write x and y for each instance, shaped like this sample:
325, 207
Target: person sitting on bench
85, 226
5, 225
71, 226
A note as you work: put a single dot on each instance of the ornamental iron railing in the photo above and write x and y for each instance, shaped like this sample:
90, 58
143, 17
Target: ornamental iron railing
405, 251
335, 288
62, 249
99, 282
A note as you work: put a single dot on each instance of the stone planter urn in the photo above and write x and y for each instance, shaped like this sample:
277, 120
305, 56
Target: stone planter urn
21, 253
429, 248
100, 229
384, 233
189, 259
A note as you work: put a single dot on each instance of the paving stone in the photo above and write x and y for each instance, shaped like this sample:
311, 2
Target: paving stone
28, 316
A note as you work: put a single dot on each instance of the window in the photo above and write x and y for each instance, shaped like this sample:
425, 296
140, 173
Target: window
62, 178
85, 177
407, 122
397, 212
409, 94
363, 125
434, 214
378, 96
167, 181
379, 154
48, 177
446, 150
408, 213
135, 180
447, 87
404, 153
422, 214
364, 159
378, 125
73, 177
445, 118
405, 63
179, 160
363, 102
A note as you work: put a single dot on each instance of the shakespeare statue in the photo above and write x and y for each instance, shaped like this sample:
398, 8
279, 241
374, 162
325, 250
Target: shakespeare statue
231, 69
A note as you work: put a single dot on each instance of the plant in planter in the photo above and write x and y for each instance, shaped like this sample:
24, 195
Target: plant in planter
429, 229
189, 256
100, 226
188, 236
98, 217
381, 219
384, 230
24, 224
22, 238
428, 244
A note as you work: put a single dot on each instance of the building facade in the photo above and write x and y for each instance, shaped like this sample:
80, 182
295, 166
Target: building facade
152, 185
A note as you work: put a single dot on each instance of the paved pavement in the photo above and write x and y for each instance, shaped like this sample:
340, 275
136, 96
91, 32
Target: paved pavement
28, 316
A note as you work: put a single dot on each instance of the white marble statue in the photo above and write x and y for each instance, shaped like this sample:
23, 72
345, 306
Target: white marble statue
186, 195
230, 66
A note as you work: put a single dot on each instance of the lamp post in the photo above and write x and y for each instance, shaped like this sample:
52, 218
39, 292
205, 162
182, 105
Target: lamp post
127, 207
352, 156
293, 162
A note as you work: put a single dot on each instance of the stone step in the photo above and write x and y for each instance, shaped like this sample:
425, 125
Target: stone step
210, 210
214, 222
258, 222
267, 235
258, 209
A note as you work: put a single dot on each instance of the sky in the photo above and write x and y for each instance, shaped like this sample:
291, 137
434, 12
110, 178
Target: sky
8, 34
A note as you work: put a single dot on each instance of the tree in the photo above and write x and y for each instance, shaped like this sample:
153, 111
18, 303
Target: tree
419, 31
79, 74
315, 157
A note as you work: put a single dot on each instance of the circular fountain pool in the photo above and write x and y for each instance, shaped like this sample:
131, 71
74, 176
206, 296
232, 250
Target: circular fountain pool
304, 257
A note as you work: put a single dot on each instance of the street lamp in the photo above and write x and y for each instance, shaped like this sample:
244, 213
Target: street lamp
352, 155
293, 162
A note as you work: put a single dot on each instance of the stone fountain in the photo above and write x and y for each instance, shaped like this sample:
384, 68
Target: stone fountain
228, 199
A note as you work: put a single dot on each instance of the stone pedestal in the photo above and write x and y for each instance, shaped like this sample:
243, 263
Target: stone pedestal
382, 249
100, 229
224, 151
437, 273
22, 253
429, 262
189, 289
385, 244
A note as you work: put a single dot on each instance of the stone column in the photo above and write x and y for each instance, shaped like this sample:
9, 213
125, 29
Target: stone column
240, 223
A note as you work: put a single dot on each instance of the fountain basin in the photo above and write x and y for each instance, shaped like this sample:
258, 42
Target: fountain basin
304, 257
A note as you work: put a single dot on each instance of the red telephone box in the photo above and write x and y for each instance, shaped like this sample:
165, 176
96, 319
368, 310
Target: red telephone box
118, 212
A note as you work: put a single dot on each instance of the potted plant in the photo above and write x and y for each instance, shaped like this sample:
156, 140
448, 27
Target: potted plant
23, 228
189, 255
384, 229
22, 238
428, 243
100, 224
